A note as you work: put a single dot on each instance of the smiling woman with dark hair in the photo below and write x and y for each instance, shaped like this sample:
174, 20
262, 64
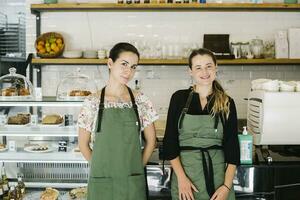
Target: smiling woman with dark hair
109, 132
201, 135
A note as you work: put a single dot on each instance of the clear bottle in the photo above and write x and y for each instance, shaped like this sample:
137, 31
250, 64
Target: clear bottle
1, 189
13, 194
21, 187
246, 142
4, 180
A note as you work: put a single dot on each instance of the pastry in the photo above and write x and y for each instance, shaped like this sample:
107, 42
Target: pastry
80, 93
15, 92
24, 92
9, 92
19, 119
78, 193
39, 147
49, 194
52, 119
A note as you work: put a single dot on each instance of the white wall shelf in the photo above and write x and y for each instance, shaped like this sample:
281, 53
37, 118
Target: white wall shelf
164, 7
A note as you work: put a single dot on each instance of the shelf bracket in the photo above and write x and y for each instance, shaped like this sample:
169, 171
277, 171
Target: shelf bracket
37, 22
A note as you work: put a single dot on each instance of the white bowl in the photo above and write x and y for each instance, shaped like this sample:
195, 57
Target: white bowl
72, 54
101, 54
90, 54
298, 86
257, 84
272, 86
287, 86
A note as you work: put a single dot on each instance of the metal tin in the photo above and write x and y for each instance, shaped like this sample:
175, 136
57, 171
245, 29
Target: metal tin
69, 120
62, 146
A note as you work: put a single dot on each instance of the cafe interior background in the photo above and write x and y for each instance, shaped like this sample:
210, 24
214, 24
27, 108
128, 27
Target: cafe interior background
157, 35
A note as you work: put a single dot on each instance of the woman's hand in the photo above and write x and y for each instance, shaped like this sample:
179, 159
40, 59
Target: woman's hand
186, 188
221, 193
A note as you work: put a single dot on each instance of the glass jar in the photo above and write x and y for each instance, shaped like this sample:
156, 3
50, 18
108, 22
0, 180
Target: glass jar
257, 47
245, 49
269, 50
236, 49
75, 87
15, 86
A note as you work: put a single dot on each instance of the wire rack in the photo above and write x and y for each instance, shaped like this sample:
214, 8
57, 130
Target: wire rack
12, 36
54, 172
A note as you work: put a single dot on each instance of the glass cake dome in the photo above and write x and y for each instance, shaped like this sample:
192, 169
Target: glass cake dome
75, 87
15, 86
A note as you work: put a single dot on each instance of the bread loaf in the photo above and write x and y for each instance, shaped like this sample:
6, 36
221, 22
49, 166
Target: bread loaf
19, 119
52, 119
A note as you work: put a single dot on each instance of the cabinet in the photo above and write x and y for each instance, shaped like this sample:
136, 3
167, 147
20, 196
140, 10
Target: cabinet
53, 167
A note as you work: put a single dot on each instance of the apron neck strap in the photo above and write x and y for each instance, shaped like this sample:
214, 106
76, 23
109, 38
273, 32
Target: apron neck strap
101, 108
185, 109
188, 102
134, 107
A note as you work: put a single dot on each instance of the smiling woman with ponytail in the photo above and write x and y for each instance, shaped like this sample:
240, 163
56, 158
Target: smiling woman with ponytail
201, 135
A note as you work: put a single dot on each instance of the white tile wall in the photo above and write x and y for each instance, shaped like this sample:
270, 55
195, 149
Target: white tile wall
95, 30
11, 8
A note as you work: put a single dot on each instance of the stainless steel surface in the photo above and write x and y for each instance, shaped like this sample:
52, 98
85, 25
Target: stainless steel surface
12, 36
49, 173
158, 177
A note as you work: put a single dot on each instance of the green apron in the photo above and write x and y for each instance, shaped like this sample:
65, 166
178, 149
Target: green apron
116, 171
201, 155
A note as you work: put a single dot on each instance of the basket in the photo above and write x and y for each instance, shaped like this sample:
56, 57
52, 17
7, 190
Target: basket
51, 40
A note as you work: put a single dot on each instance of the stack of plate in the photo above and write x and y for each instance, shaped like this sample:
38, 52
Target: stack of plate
72, 54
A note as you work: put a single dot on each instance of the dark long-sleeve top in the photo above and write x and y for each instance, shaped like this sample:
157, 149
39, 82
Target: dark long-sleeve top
171, 142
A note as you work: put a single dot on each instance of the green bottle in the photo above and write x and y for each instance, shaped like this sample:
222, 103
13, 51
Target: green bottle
246, 142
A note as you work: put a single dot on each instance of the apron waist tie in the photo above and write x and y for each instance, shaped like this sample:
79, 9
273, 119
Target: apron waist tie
207, 169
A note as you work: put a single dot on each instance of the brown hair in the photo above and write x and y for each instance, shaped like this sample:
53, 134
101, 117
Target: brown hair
221, 99
120, 48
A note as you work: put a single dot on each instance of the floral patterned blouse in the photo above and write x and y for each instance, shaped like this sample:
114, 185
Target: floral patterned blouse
89, 111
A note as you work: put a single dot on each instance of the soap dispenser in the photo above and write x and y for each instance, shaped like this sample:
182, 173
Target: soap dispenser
246, 142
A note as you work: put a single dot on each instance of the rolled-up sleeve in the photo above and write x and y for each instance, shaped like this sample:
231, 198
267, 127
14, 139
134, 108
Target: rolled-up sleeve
230, 142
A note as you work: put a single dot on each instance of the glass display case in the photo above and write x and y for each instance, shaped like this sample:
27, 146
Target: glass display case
15, 86
75, 87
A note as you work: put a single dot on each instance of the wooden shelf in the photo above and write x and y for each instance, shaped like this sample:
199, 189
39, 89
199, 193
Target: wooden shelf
84, 61
164, 7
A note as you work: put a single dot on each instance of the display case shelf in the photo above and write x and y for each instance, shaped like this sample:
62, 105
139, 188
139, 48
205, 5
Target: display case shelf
40, 130
164, 7
45, 102
51, 157
79, 61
